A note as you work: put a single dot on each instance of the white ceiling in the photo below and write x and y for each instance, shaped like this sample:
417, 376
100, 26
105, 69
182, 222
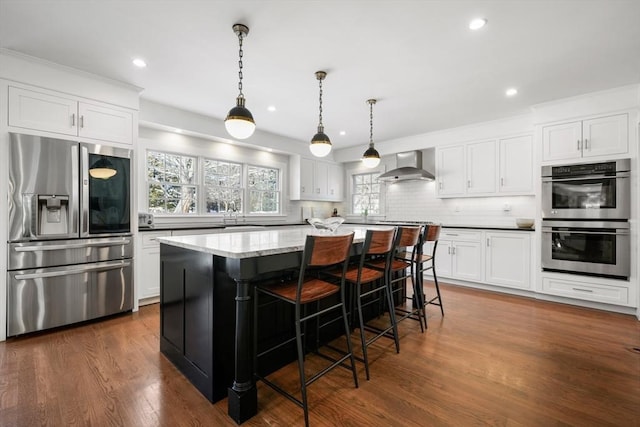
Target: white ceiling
418, 58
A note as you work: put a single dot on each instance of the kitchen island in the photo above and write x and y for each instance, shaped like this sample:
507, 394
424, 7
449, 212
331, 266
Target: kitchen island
206, 288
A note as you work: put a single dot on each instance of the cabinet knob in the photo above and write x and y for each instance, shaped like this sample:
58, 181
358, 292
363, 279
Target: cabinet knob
73, 120
469, 183
578, 146
586, 144
81, 121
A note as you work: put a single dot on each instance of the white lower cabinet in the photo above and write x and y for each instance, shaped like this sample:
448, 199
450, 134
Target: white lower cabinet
459, 255
148, 264
589, 289
508, 259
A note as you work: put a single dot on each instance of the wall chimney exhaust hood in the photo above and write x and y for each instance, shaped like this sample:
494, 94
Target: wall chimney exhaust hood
409, 167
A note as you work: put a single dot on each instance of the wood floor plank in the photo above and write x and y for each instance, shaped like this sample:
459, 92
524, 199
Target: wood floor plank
493, 359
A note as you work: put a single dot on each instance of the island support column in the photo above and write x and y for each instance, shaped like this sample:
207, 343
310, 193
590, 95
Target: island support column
243, 394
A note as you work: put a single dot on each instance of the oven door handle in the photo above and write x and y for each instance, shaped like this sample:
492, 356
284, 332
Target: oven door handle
74, 270
604, 233
71, 246
586, 177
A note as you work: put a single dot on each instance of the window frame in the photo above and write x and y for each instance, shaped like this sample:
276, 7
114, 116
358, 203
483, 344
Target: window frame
199, 184
194, 184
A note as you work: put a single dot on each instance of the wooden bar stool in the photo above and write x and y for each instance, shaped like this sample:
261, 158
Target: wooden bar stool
320, 253
370, 281
426, 262
402, 268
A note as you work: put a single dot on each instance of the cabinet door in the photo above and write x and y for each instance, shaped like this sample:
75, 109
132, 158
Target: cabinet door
148, 264
516, 165
321, 180
562, 142
39, 111
444, 258
605, 136
467, 261
450, 170
307, 168
481, 167
335, 182
105, 124
508, 259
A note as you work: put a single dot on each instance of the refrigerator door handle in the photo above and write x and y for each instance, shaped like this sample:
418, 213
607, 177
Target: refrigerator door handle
84, 191
118, 242
74, 270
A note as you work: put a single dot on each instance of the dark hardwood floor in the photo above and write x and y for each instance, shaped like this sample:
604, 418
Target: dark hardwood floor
492, 360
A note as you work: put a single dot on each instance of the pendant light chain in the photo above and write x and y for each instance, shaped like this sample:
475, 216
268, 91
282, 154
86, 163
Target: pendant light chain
320, 103
371, 123
240, 54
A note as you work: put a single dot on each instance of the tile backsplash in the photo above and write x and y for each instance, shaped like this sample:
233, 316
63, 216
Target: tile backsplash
417, 201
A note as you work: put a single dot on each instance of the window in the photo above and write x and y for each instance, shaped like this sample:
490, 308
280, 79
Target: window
365, 198
223, 186
264, 190
179, 185
171, 178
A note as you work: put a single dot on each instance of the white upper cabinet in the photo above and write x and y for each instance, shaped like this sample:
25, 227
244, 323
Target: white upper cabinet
315, 180
602, 136
481, 167
450, 169
497, 167
516, 165
65, 115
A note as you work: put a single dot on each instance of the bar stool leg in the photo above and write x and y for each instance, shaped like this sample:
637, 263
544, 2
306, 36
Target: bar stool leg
363, 338
392, 312
435, 280
303, 381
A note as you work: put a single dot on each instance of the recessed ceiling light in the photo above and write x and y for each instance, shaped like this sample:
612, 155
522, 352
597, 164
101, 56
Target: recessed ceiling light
511, 91
176, 130
270, 150
271, 108
343, 133
477, 23
138, 62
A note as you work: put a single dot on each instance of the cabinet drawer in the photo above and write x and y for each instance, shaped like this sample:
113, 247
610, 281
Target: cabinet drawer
609, 294
457, 235
150, 239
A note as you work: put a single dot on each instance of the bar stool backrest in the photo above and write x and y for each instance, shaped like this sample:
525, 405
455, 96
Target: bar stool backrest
327, 250
379, 242
408, 237
432, 232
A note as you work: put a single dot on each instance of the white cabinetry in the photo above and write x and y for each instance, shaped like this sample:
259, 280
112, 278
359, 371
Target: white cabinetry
497, 167
450, 169
516, 165
315, 180
601, 136
459, 255
591, 289
481, 167
148, 264
48, 111
508, 259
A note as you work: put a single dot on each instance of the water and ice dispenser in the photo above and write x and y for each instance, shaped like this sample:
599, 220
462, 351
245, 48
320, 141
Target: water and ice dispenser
52, 215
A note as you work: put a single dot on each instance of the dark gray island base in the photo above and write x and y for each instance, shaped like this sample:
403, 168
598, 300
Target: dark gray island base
206, 308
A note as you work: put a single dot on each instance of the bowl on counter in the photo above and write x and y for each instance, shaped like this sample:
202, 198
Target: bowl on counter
524, 222
329, 225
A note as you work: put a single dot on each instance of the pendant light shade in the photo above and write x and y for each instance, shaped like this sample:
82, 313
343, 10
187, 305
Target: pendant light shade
371, 157
239, 122
320, 144
102, 169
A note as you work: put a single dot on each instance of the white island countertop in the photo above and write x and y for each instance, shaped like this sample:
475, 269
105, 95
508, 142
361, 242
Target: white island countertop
249, 244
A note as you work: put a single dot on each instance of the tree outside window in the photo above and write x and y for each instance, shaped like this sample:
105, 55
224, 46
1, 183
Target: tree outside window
171, 183
223, 186
365, 198
264, 190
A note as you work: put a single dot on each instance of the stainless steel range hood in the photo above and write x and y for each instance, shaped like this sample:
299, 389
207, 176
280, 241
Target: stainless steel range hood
409, 167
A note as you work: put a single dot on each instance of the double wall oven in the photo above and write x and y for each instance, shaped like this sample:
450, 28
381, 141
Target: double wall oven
585, 212
70, 241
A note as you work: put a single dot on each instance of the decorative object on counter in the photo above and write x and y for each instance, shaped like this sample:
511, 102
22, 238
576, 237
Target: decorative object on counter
524, 222
239, 122
320, 143
331, 224
335, 212
371, 157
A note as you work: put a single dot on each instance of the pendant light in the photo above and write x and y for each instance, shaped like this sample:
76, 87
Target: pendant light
371, 157
102, 169
320, 143
239, 122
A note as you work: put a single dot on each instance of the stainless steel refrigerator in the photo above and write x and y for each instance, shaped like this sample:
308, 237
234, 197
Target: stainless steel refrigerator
70, 241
